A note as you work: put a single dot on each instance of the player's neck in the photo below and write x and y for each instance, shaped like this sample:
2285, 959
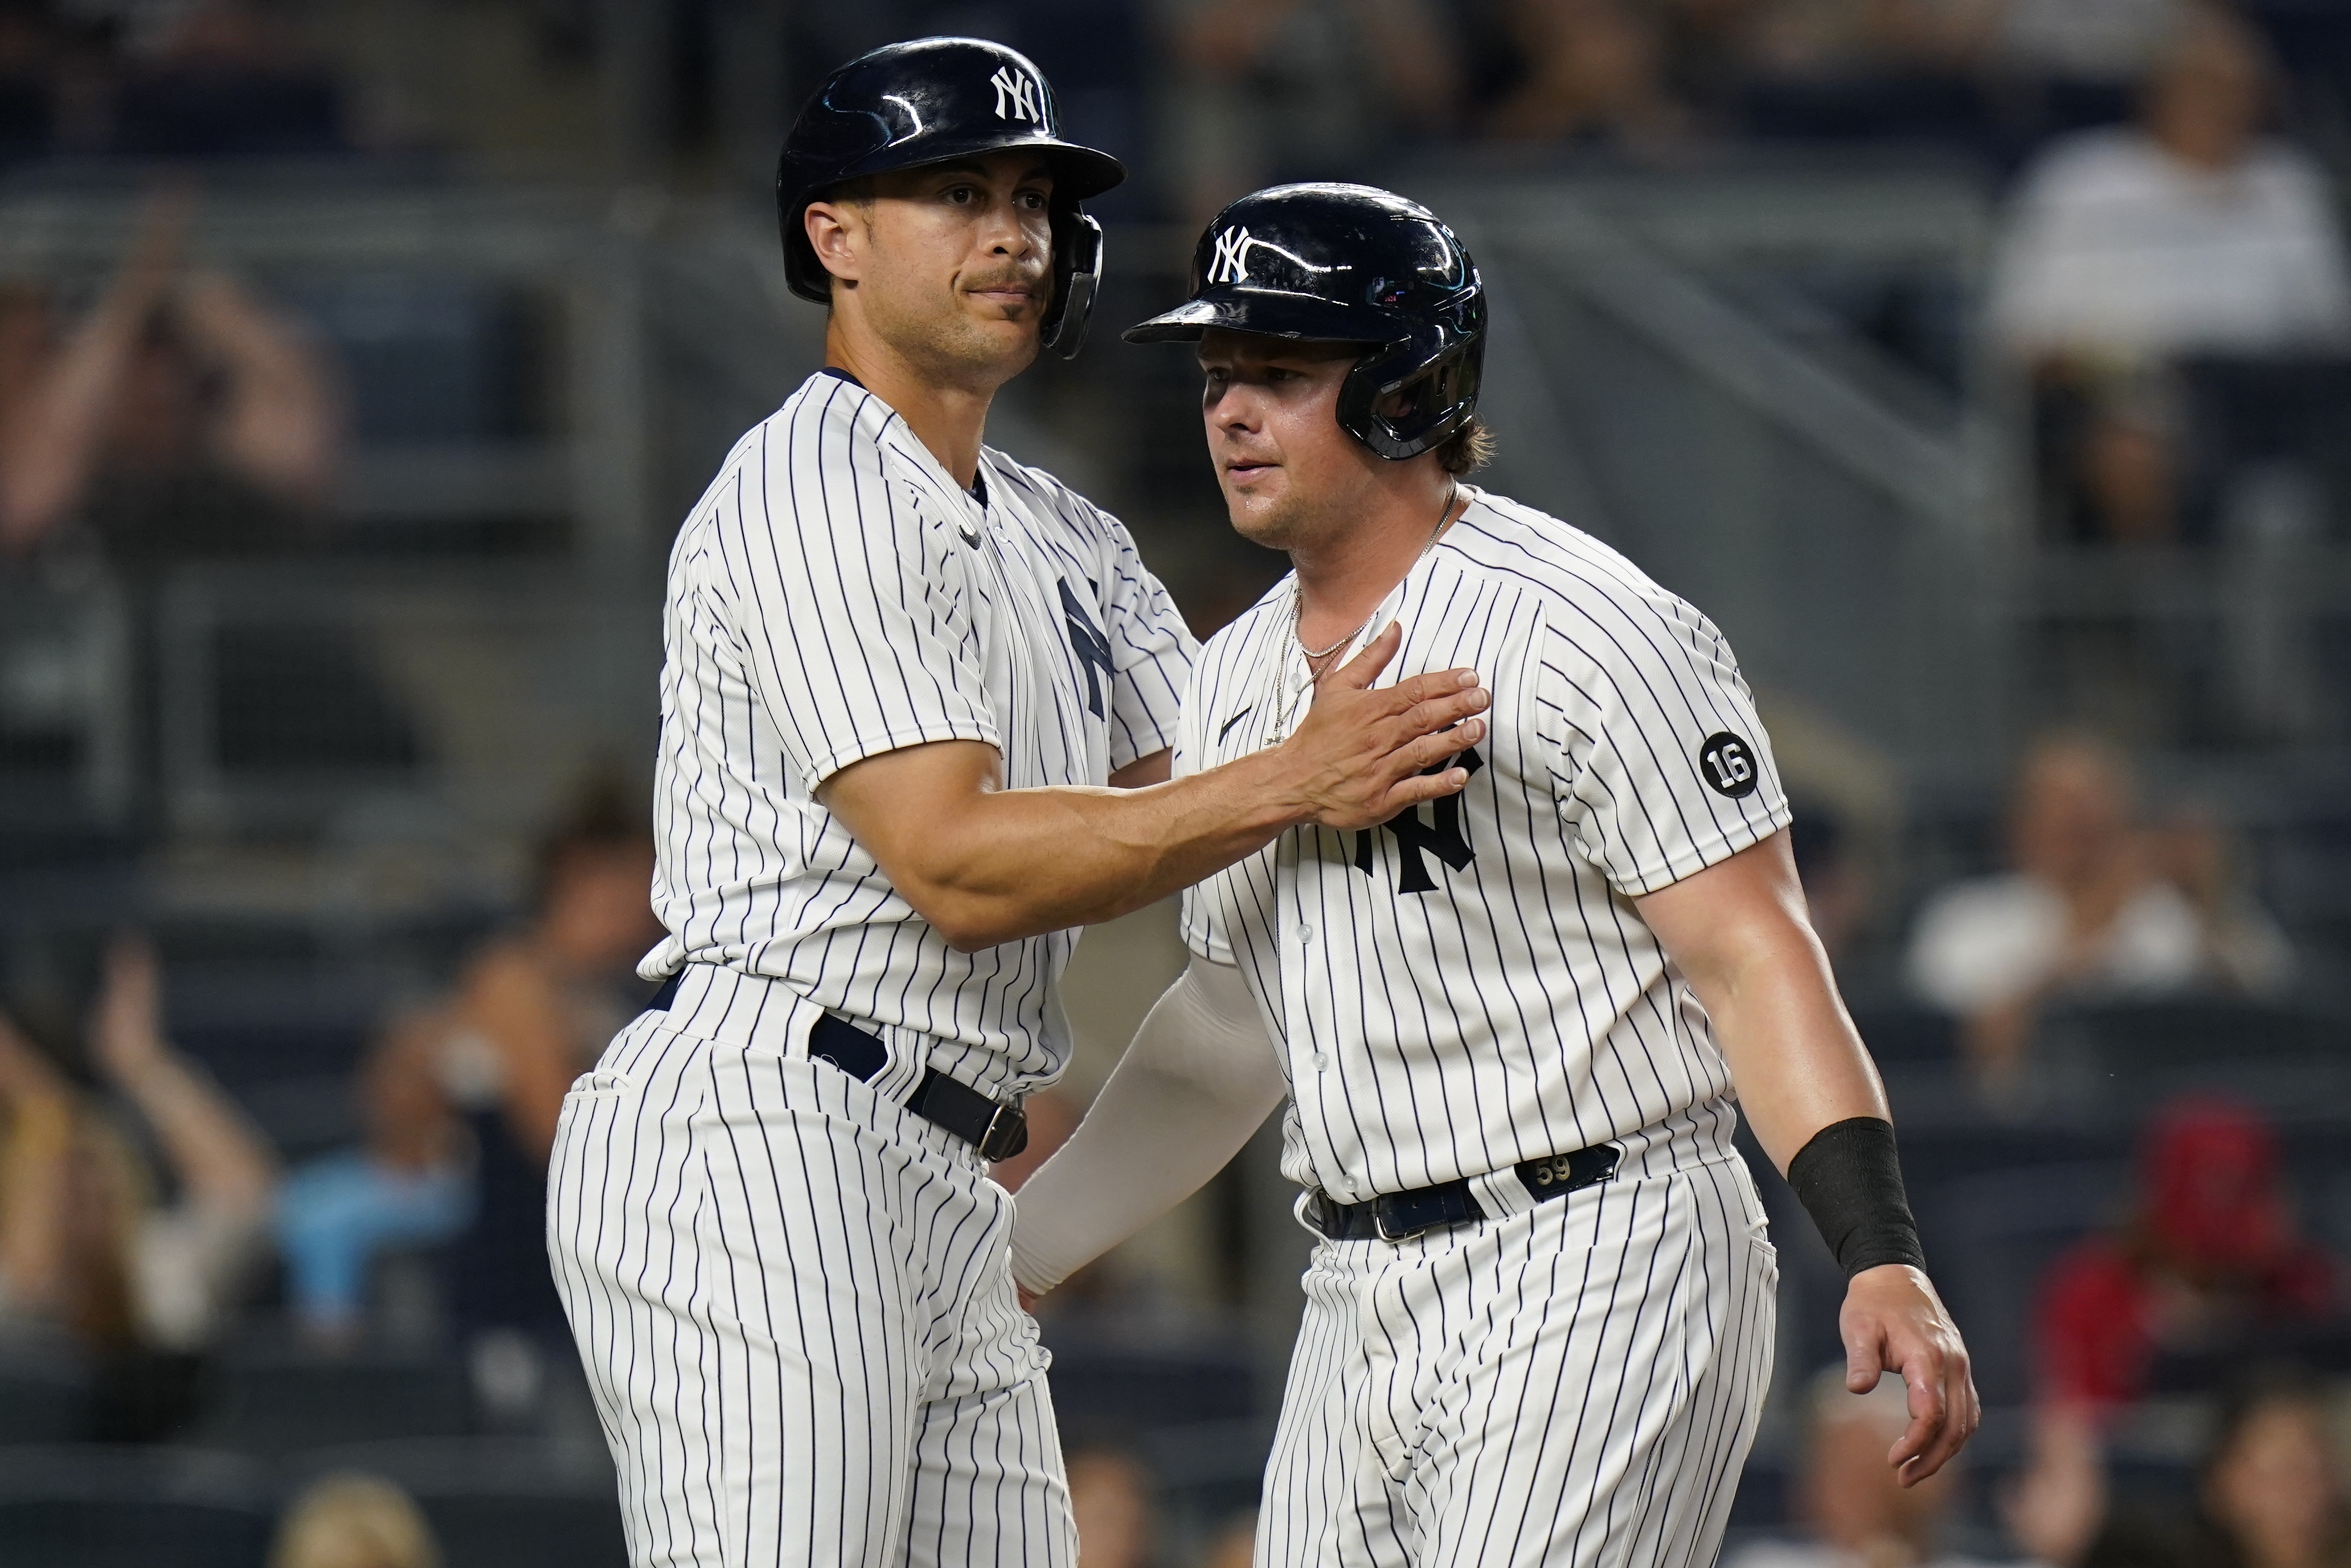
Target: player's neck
950, 421
1342, 580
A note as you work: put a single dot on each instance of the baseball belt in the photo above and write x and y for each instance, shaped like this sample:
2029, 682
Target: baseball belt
1401, 1215
996, 1129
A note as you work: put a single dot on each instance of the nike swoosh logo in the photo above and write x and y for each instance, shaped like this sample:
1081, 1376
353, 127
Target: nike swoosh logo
1228, 729
970, 535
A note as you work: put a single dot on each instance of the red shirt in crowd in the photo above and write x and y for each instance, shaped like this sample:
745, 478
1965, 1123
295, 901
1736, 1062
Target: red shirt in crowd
2212, 1253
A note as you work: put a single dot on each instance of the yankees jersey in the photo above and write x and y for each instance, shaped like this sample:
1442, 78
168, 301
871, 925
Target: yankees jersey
836, 594
1468, 986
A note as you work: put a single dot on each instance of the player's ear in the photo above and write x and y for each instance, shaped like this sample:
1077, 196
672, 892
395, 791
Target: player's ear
837, 232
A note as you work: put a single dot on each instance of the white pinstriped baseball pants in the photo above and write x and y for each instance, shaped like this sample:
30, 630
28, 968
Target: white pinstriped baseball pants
1574, 1385
795, 1305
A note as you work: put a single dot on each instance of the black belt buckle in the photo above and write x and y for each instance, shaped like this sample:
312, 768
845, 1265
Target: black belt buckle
1006, 1133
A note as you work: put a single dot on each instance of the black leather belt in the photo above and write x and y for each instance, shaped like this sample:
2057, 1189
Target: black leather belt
998, 1130
1401, 1215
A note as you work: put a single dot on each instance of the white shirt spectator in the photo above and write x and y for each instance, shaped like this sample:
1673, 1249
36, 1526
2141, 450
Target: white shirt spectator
2115, 245
1990, 941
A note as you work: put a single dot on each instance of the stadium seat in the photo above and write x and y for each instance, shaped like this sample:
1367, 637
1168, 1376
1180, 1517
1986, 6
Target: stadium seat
281, 1401
2115, 1063
1117, 1392
45, 1397
498, 1502
90, 1506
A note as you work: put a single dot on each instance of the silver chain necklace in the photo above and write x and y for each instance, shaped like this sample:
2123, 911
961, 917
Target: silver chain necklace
1290, 636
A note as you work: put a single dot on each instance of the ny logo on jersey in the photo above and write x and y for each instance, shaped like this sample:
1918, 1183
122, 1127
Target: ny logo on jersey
1091, 648
1231, 263
1441, 837
1015, 95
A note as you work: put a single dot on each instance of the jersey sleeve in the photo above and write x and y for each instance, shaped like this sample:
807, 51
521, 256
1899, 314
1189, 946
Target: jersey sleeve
1661, 767
1152, 652
839, 595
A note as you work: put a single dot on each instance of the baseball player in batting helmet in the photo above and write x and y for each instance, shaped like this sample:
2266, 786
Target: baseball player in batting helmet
901, 667
1510, 1023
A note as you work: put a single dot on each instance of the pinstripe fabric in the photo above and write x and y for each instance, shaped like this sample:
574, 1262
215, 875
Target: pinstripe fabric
1574, 1386
833, 595
1452, 1017
793, 1298
793, 1301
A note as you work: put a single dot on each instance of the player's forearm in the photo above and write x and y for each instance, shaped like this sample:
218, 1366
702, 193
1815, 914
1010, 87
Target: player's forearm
1794, 1056
1199, 1078
1018, 862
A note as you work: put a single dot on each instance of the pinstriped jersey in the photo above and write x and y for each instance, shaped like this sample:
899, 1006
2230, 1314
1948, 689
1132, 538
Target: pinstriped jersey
834, 595
1468, 985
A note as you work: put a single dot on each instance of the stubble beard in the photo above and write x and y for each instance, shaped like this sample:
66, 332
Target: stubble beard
1293, 521
939, 337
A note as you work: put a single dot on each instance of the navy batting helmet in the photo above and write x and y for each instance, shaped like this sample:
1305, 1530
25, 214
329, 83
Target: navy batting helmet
1349, 264
934, 100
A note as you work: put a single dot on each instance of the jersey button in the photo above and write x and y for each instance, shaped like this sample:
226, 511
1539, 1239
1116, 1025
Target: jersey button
1322, 1061
1306, 934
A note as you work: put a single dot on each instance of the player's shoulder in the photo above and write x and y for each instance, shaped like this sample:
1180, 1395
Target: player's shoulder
1550, 560
1047, 498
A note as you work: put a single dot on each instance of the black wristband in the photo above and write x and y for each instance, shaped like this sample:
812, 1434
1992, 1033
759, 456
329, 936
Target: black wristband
1850, 1181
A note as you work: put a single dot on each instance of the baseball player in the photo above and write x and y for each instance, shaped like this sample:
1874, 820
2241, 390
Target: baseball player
901, 667
1539, 1321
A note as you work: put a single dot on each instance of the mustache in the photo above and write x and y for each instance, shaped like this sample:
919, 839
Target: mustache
1032, 279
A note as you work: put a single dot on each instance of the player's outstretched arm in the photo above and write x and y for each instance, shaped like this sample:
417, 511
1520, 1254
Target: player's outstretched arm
1199, 1078
984, 864
1739, 930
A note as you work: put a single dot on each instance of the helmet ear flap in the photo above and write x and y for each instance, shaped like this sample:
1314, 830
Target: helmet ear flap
1077, 277
1411, 397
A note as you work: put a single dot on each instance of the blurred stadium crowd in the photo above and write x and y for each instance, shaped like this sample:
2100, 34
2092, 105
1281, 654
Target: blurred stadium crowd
1984, 366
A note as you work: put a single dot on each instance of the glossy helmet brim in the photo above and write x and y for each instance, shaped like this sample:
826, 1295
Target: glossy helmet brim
1265, 312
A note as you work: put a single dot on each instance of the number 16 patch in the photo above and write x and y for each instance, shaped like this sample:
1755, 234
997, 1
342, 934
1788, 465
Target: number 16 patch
1728, 764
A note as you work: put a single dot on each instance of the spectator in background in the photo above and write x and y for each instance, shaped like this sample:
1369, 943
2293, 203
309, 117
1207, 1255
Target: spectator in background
1854, 1511
353, 1520
2272, 1489
179, 420
2245, 950
1272, 90
87, 1244
2084, 912
2126, 249
1110, 1497
1593, 74
2210, 1260
1234, 1545
487, 1068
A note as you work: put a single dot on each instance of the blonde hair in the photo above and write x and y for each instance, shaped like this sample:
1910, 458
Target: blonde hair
1468, 449
353, 1520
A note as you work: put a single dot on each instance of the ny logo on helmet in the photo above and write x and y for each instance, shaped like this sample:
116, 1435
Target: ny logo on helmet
1231, 261
1015, 95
